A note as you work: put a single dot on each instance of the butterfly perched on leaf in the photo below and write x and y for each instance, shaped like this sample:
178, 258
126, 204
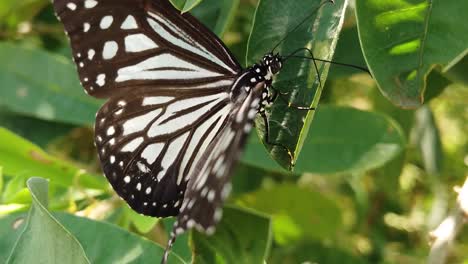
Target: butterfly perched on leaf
179, 105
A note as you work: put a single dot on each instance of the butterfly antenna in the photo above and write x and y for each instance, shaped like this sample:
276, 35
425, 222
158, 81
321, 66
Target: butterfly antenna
301, 23
294, 55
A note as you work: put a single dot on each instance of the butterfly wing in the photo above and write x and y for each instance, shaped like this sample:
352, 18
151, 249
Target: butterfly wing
168, 81
150, 141
120, 45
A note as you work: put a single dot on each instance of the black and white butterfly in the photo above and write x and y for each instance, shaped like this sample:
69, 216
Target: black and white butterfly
179, 106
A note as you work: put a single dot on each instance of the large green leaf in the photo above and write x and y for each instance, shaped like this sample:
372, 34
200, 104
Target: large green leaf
404, 40
102, 242
242, 236
296, 212
274, 20
350, 140
36, 83
21, 157
106, 243
44, 239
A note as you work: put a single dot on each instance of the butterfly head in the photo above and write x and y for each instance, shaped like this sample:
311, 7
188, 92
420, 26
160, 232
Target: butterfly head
274, 62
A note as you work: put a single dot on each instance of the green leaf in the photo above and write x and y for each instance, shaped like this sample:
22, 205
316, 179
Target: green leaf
289, 126
242, 236
403, 41
44, 239
16, 191
38, 131
39, 84
217, 15
102, 242
185, 5
349, 140
13, 12
142, 223
21, 157
314, 252
296, 212
255, 154
458, 72
348, 50
1, 180
106, 243
11, 227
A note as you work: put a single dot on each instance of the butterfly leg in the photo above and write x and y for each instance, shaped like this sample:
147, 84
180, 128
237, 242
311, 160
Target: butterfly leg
269, 142
284, 97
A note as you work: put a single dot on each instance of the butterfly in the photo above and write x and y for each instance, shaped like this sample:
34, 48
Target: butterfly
179, 105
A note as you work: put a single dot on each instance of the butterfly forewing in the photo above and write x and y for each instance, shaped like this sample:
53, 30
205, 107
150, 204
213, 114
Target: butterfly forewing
120, 45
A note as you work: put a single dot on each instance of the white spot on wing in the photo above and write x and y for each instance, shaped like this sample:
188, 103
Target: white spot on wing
90, 3
127, 179
91, 54
148, 190
129, 23
106, 22
139, 42
71, 6
86, 27
110, 50
110, 131
101, 79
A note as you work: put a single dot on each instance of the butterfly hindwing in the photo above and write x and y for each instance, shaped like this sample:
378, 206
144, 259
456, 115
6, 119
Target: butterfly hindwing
150, 142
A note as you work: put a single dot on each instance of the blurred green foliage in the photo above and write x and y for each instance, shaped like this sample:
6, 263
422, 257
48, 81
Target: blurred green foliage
372, 177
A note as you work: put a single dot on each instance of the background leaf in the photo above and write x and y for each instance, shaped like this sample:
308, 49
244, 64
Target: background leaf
296, 212
242, 236
18, 156
44, 240
217, 15
345, 140
43, 85
404, 40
